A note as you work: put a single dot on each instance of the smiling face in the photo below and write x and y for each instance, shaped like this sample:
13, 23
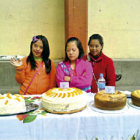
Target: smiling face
72, 51
95, 47
37, 48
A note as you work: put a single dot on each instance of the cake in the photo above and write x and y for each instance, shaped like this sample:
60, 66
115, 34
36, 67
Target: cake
109, 101
11, 104
68, 100
135, 97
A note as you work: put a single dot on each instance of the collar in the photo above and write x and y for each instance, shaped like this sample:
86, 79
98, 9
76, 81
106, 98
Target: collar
38, 58
91, 58
77, 61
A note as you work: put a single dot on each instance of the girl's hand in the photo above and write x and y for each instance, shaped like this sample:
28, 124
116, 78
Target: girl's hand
67, 78
16, 62
84, 74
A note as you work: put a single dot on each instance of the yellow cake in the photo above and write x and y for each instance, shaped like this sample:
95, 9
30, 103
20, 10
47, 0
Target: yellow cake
109, 101
10, 104
68, 100
135, 96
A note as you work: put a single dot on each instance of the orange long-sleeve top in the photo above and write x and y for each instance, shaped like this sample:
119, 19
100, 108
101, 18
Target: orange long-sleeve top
41, 83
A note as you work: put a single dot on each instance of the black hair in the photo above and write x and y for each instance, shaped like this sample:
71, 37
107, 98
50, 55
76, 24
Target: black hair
79, 46
45, 54
98, 37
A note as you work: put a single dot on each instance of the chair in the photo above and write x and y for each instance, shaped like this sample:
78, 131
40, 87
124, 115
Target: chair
118, 77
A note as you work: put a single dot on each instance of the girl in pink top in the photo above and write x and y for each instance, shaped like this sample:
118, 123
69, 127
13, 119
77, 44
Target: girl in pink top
74, 69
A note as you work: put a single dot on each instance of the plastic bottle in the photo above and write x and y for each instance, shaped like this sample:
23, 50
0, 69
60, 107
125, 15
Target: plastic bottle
101, 82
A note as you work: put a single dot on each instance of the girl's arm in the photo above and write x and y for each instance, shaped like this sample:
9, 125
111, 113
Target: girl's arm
53, 75
20, 72
85, 79
59, 75
110, 73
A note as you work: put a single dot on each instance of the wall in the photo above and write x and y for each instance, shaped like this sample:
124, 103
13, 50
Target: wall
21, 20
118, 21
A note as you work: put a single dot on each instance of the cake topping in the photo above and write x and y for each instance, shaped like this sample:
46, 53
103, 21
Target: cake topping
64, 95
6, 102
18, 99
9, 95
1, 97
60, 94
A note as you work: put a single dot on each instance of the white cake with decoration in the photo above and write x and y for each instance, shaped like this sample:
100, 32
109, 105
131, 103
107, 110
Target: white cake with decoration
67, 100
10, 104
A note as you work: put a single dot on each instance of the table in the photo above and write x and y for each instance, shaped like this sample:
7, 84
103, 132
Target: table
85, 125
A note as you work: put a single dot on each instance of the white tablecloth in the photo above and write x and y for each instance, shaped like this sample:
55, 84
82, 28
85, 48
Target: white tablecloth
85, 125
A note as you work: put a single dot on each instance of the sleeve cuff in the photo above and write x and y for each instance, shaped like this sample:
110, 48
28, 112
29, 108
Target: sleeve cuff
19, 68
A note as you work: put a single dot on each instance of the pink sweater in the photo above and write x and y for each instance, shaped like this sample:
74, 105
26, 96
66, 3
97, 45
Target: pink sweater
84, 74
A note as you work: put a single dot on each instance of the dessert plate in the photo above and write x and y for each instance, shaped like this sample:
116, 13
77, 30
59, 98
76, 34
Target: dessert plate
127, 93
132, 105
29, 107
94, 108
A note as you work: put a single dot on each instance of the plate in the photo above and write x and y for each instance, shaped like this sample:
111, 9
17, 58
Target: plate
127, 93
29, 107
94, 108
132, 105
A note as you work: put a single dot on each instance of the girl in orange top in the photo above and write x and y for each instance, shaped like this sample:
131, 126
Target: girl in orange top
35, 73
